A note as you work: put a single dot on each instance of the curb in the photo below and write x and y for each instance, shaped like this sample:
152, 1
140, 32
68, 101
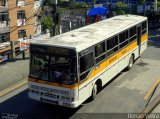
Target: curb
149, 108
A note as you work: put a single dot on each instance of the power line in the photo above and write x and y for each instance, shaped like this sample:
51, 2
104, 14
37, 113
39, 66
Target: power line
25, 3
19, 6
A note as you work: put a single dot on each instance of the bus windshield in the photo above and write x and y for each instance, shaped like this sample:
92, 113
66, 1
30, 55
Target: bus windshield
53, 64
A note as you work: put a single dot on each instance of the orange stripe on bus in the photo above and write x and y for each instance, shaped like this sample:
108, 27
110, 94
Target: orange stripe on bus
144, 38
102, 66
53, 84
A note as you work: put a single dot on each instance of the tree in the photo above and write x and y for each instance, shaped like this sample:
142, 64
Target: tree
143, 2
121, 8
77, 5
92, 2
47, 22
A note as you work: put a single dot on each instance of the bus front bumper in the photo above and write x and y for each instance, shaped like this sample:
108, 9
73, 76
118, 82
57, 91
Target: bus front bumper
51, 101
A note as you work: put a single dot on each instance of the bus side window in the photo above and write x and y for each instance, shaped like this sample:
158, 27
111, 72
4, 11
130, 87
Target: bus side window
123, 41
127, 34
144, 27
132, 33
100, 52
86, 64
122, 37
112, 45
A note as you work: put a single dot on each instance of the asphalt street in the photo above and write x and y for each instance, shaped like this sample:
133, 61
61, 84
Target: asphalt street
13, 71
122, 96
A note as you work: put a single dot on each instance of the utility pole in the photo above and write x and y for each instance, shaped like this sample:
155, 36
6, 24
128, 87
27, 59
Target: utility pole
85, 10
12, 49
155, 5
23, 52
54, 2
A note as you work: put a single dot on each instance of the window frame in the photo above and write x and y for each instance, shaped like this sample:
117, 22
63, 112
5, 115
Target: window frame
24, 35
88, 70
102, 54
133, 37
116, 46
144, 30
21, 14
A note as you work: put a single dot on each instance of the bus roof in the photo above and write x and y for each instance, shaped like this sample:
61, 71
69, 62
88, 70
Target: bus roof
90, 35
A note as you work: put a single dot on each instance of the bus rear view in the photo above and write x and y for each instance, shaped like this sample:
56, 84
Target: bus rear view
53, 75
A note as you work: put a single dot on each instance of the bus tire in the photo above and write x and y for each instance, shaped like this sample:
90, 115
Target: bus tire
94, 91
131, 62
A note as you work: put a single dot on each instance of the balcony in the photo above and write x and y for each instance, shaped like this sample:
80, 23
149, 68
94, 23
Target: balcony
4, 24
20, 3
38, 3
21, 22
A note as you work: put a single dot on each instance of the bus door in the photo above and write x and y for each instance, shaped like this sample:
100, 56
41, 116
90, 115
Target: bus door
139, 39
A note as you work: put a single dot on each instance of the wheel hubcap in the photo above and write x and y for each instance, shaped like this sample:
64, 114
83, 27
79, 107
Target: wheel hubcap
95, 90
131, 62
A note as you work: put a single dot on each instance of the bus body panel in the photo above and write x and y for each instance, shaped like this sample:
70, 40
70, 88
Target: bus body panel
53, 94
74, 95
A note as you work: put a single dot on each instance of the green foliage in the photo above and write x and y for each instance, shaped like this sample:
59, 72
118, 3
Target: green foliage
158, 3
47, 22
142, 1
78, 4
121, 8
92, 1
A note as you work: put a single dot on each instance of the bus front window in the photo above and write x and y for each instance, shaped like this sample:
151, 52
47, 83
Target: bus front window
39, 66
63, 69
53, 65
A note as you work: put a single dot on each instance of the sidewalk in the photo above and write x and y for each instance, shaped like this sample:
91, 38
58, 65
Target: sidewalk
13, 71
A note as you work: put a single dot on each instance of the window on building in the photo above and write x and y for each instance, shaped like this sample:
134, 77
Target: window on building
100, 52
3, 17
21, 14
21, 33
20, 2
86, 63
4, 37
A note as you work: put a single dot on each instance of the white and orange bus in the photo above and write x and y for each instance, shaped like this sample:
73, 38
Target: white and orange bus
69, 68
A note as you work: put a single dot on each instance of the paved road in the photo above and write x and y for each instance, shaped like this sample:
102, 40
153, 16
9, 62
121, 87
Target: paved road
125, 94
13, 71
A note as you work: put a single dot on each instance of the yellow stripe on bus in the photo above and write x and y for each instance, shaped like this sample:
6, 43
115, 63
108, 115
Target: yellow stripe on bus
101, 67
53, 84
144, 38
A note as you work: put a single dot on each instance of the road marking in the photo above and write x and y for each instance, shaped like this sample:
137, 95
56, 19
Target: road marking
149, 108
151, 89
13, 88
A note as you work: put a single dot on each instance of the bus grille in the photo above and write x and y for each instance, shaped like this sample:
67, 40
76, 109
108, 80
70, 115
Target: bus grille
50, 95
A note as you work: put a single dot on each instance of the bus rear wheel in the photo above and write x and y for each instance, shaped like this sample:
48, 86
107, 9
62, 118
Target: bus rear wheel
94, 91
131, 62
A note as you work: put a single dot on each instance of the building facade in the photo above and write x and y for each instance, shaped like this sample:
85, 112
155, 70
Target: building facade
21, 19
18, 21
114, 1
